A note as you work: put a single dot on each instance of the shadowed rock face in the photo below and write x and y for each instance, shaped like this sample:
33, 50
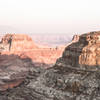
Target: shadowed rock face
73, 51
83, 53
13, 71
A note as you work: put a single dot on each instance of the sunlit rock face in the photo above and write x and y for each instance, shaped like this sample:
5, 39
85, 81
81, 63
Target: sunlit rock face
91, 52
18, 42
23, 46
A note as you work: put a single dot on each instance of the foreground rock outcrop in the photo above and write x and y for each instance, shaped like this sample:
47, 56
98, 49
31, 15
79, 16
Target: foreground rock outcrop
13, 71
71, 78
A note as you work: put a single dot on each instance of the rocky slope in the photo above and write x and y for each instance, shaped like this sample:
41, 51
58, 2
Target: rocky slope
13, 71
75, 75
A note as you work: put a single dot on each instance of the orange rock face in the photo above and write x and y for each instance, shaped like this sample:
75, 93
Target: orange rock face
23, 46
43, 55
18, 42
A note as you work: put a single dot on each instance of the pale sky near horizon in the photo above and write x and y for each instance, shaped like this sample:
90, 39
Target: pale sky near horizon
51, 16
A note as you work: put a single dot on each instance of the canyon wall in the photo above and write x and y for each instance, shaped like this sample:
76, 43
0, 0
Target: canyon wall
13, 71
18, 42
75, 76
84, 52
23, 45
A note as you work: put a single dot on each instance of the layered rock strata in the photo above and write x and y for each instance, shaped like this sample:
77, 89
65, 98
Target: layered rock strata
84, 52
23, 46
17, 42
13, 71
72, 77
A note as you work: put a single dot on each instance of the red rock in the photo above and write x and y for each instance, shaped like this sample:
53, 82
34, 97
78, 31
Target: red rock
18, 42
23, 46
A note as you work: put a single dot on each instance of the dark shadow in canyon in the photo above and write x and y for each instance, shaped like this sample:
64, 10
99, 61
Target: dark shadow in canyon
74, 51
20, 67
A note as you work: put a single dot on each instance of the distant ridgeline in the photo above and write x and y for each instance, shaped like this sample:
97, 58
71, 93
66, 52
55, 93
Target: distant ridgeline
52, 40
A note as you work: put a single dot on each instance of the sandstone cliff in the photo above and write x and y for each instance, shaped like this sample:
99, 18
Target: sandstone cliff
23, 46
18, 42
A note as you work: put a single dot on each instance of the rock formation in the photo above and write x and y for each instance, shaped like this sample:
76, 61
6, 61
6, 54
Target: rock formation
23, 46
75, 38
84, 52
18, 42
13, 71
75, 76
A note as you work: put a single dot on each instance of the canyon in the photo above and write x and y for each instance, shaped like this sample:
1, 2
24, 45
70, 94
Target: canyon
17, 53
52, 40
74, 76
23, 45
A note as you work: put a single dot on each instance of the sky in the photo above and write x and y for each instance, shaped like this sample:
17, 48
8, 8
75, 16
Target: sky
50, 16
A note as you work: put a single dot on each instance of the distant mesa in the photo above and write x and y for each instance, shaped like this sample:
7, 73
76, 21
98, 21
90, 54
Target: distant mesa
17, 42
23, 45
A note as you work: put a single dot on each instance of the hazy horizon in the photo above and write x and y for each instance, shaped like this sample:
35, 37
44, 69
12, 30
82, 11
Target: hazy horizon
49, 16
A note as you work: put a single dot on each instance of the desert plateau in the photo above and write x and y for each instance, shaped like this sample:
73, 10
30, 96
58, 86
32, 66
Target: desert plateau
49, 49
